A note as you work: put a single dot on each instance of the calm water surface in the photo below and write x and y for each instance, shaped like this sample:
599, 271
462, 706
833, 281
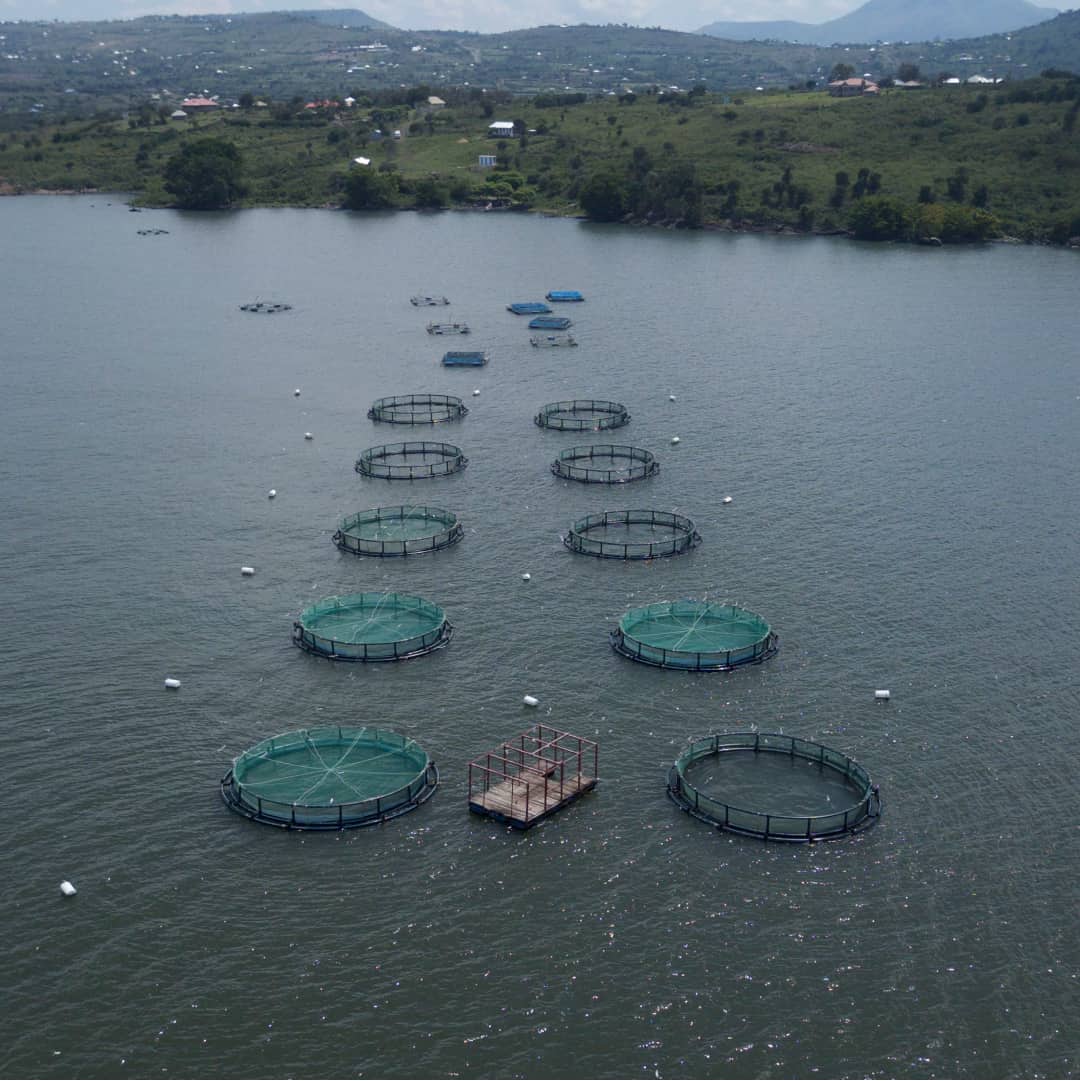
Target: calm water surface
900, 432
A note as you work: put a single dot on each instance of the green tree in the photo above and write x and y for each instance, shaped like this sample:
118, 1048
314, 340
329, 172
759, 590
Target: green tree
205, 175
367, 190
908, 73
841, 71
603, 197
878, 218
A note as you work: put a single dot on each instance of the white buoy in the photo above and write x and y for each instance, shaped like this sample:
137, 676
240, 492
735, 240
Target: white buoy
882, 696
671, 397
247, 572
296, 393
308, 435
67, 889
675, 439
172, 684
727, 499
270, 494
476, 393
529, 700
526, 577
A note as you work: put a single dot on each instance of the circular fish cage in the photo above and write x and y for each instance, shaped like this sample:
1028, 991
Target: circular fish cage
398, 531
330, 778
604, 463
372, 627
582, 415
698, 636
416, 460
417, 409
265, 307
772, 786
632, 534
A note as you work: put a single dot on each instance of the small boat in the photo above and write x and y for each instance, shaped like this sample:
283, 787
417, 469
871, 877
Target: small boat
552, 341
428, 301
550, 322
448, 328
529, 307
474, 359
560, 295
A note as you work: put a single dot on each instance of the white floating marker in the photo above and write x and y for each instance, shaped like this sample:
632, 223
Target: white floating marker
247, 572
526, 577
726, 500
882, 696
172, 684
529, 700
67, 889
270, 494
671, 397
675, 439
296, 393
476, 393
308, 435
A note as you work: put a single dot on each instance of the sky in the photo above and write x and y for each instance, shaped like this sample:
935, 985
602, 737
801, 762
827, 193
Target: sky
486, 16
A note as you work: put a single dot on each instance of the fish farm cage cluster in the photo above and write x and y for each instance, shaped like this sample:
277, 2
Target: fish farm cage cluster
330, 778
605, 463
582, 415
632, 534
758, 784
415, 460
398, 531
417, 409
734, 761
263, 307
372, 627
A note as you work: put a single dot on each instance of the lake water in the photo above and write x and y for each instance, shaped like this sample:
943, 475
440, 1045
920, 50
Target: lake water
899, 430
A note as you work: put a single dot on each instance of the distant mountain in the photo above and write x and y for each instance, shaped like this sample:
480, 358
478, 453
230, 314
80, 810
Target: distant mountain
896, 20
345, 17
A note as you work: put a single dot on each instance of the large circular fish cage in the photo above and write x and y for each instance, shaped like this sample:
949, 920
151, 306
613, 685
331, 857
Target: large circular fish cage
417, 409
372, 627
697, 636
776, 787
605, 463
632, 534
416, 460
330, 778
582, 415
398, 531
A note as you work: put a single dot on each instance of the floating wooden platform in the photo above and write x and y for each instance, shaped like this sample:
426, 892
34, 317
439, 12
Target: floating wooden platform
532, 776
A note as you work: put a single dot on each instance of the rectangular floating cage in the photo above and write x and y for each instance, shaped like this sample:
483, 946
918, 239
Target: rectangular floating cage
552, 341
448, 328
428, 300
476, 358
550, 322
533, 775
530, 307
561, 295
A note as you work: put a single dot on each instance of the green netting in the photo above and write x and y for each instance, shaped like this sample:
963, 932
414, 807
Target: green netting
330, 778
582, 415
691, 634
398, 531
773, 786
632, 534
605, 463
372, 627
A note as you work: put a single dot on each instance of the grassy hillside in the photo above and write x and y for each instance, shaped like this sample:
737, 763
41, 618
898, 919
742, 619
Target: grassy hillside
803, 160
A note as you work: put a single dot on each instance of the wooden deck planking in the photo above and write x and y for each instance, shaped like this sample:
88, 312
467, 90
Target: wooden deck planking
508, 799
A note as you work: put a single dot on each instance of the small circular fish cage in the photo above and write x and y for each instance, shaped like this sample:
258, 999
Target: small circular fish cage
265, 307
417, 409
416, 460
697, 636
632, 534
582, 415
812, 792
330, 778
398, 531
605, 463
372, 627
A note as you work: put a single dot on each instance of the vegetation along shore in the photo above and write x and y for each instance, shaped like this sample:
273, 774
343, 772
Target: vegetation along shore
938, 162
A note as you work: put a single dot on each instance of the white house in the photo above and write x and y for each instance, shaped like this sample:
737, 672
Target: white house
501, 129
486, 161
